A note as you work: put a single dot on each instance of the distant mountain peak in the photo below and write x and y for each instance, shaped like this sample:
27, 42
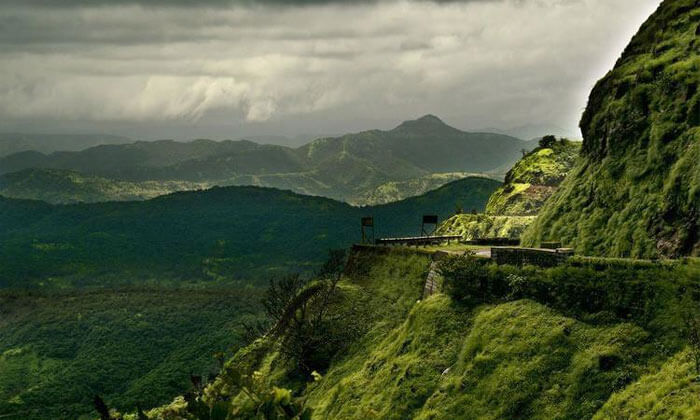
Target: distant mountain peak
430, 118
427, 121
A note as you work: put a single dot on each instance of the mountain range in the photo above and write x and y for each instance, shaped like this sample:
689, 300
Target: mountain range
353, 168
11, 143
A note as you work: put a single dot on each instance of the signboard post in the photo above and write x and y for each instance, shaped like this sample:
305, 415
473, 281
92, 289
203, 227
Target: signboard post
367, 230
429, 220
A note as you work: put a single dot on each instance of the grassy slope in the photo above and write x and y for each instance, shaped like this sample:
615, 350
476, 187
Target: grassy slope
473, 226
668, 393
533, 179
512, 360
134, 346
514, 206
636, 190
440, 360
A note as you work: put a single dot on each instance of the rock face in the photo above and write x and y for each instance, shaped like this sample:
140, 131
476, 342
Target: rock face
636, 189
533, 180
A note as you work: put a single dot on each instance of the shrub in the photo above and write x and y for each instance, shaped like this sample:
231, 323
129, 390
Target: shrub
628, 290
547, 141
468, 278
300, 312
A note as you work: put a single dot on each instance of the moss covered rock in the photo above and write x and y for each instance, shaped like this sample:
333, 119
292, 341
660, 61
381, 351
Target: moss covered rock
533, 180
636, 190
474, 226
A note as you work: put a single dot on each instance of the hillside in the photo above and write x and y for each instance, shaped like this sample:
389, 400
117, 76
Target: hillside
508, 343
227, 234
163, 283
59, 186
399, 190
58, 349
355, 167
11, 143
533, 179
636, 190
528, 185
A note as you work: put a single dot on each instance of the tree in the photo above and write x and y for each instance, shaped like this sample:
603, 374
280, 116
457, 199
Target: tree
548, 141
309, 317
102, 409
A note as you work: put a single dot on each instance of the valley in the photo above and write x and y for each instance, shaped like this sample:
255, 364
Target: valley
222, 280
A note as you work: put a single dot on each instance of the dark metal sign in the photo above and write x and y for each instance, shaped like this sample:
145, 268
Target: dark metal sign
367, 229
430, 219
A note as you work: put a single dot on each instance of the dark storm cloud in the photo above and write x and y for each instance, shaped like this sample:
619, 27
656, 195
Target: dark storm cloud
332, 64
205, 3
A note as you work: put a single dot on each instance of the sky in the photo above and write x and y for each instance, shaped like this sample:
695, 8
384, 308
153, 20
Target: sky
221, 69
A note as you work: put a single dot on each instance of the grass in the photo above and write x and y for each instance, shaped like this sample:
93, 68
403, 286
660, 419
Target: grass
523, 360
473, 226
533, 180
503, 358
397, 372
669, 392
636, 190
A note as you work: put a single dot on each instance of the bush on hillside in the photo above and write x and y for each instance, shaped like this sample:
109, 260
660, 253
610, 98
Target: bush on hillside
547, 141
300, 313
631, 291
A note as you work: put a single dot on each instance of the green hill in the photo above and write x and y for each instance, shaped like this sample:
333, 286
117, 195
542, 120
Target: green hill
501, 343
534, 179
136, 346
636, 190
232, 233
399, 190
126, 299
59, 186
528, 185
355, 168
11, 143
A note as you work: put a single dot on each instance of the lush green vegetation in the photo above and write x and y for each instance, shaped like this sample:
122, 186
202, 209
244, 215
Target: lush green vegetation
514, 206
60, 347
132, 346
534, 178
591, 339
223, 234
474, 226
370, 167
58, 186
636, 190
400, 190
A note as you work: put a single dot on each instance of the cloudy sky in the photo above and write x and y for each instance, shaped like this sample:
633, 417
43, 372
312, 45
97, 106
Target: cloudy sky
228, 69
